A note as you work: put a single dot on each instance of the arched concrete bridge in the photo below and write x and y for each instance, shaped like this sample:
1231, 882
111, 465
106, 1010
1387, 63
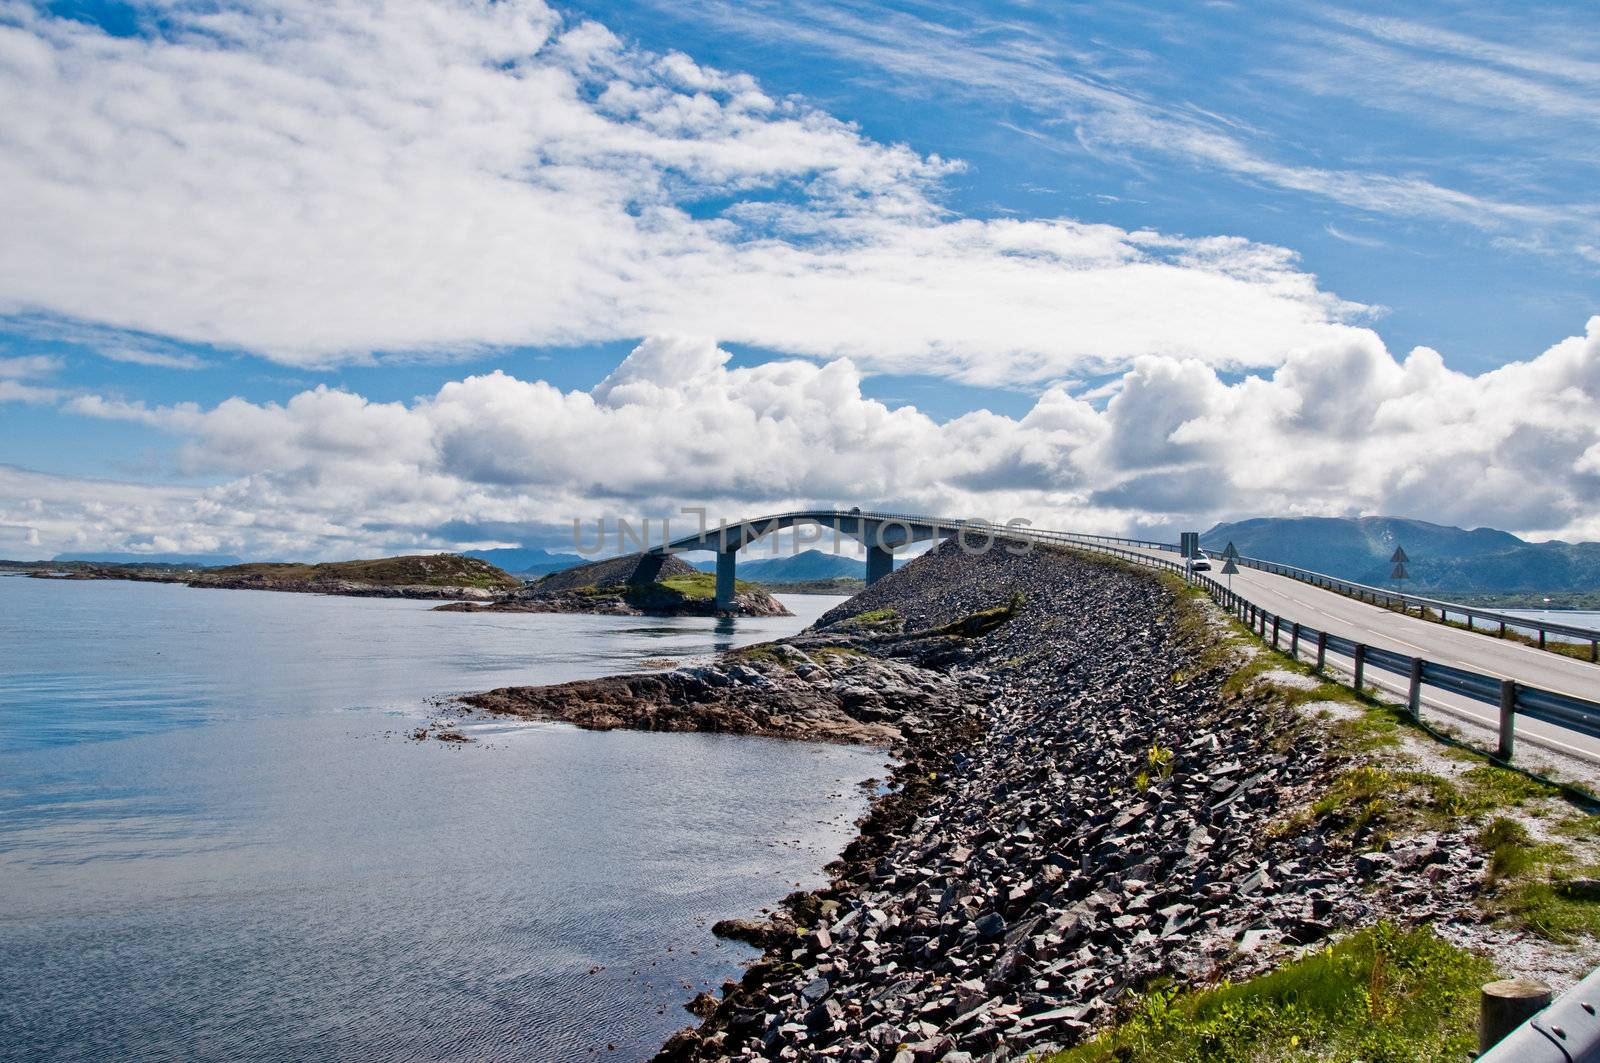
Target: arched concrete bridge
1364, 615
880, 533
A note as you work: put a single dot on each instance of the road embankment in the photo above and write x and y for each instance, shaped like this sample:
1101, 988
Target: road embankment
1080, 807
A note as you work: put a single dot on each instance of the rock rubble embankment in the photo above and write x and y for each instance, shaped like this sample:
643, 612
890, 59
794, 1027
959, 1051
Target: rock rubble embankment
1077, 810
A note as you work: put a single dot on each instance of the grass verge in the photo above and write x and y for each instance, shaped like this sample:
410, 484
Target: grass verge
1382, 995
1546, 887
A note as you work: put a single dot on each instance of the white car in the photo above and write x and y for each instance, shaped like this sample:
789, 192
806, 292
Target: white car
1199, 564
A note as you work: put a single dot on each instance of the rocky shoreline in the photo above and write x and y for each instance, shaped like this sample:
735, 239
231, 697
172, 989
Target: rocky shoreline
1077, 810
620, 603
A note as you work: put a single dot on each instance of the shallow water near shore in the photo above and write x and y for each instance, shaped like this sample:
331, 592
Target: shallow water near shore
217, 842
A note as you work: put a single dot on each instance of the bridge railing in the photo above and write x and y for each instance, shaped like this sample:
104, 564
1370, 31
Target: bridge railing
1303, 642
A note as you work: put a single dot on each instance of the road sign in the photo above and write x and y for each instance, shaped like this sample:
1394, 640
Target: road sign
1399, 571
1231, 553
1228, 567
1399, 557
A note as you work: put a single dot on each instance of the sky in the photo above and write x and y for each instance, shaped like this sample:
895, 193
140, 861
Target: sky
314, 280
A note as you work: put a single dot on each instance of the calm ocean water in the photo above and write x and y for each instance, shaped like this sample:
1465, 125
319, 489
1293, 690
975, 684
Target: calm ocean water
215, 842
1575, 617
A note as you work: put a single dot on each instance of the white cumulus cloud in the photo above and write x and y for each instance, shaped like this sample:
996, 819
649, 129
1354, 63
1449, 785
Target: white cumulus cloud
1339, 428
324, 182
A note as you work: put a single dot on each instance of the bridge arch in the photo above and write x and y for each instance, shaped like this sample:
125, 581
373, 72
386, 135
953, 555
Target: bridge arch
880, 533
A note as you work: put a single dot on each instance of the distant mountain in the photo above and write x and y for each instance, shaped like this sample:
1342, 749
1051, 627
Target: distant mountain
802, 567
187, 560
526, 561
1443, 560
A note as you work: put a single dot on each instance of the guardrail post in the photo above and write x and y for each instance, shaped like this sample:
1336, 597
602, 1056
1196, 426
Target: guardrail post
1414, 697
1276, 622
1505, 1005
1469, 622
1361, 665
1322, 649
1541, 638
1594, 651
1502, 629
1294, 640
1508, 718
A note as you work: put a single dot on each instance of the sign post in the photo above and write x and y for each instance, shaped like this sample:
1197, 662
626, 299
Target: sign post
1229, 556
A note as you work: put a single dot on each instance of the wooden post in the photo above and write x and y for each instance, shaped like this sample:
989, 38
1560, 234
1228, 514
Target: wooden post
1361, 665
1414, 699
1322, 649
1508, 718
1505, 1005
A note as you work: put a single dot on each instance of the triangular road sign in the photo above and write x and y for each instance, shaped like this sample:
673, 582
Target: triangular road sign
1230, 553
1399, 570
1399, 557
1228, 567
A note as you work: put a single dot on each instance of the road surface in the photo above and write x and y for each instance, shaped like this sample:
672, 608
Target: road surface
1415, 637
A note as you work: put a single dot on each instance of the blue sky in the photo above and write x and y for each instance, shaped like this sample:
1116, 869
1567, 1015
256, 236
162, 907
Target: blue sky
1276, 76
1022, 220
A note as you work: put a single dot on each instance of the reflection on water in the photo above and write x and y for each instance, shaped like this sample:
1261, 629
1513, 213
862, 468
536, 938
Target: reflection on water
215, 841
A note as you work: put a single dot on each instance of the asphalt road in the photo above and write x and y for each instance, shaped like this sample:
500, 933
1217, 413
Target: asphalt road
1415, 637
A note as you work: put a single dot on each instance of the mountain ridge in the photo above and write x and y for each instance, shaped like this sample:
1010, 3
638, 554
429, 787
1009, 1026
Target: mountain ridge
1441, 559
804, 567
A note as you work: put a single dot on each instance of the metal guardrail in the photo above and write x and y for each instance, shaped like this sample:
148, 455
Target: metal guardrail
1392, 599
1406, 602
1567, 1031
1299, 639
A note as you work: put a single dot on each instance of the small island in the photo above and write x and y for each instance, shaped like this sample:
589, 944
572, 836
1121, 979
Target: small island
466, 584
440, 576
613, 587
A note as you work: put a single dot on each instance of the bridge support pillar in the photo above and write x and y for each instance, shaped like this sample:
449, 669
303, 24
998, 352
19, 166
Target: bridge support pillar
725, 583
880, 562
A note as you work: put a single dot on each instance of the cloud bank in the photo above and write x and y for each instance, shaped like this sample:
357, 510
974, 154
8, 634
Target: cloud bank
492, 458
321, 183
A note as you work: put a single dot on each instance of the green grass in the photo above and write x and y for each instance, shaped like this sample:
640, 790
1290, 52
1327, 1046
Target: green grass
1545, 908
877, 616
983, 621
1382, 995
1533, 885
429, 570
1541, 887
693, 586
1536, 886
